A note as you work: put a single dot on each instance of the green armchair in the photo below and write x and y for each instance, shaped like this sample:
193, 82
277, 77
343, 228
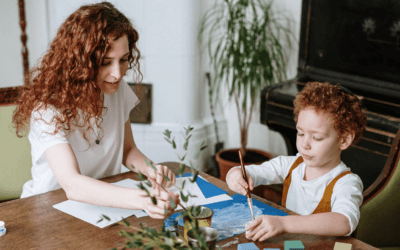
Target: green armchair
15, 157
380, 212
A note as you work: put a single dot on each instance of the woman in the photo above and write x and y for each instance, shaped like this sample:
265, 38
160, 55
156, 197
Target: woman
78, 109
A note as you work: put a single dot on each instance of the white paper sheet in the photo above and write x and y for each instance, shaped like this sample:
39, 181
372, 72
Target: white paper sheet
92, 213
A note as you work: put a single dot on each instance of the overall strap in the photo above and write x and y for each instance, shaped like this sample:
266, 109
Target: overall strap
325, 203
288, 180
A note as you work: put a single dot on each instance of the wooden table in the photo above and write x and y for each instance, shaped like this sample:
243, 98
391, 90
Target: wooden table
33, 223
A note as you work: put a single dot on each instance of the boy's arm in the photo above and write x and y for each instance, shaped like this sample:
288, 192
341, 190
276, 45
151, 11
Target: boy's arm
273, 171
329, 224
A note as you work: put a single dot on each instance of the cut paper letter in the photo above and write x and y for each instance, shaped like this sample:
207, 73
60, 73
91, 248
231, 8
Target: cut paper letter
342, 246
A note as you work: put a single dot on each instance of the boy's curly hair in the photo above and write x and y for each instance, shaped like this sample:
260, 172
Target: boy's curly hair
343, 106
66, 76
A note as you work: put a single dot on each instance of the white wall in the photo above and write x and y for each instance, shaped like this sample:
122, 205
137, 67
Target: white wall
171, 61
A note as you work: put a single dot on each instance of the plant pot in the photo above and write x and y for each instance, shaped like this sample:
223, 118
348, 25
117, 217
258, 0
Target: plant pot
228, 159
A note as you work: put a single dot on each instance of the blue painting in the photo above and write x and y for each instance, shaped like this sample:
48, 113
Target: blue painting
230, 216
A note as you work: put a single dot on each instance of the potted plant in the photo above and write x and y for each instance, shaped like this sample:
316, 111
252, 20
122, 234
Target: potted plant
245, 41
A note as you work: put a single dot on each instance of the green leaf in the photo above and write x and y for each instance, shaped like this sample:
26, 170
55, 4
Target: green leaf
181, 168
141, 176
173, 144
167, 133
183, 158
148, 183
196, 211
126, 222
184, 198
185, 146
172, 202
166, 177
194, 177
168, 140
188, 129
154, 200
152, 231
163, 228
106, 217
148, 163
165, 211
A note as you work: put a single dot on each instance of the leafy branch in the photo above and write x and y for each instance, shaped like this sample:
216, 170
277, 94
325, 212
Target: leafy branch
148, 237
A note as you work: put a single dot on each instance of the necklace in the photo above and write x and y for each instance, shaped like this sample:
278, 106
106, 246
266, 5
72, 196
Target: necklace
98, 137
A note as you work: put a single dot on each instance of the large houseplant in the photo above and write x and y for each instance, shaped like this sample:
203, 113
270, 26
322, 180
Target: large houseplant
245, 41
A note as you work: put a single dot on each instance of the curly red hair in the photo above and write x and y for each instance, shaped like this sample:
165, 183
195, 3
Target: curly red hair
343, 106
65, 78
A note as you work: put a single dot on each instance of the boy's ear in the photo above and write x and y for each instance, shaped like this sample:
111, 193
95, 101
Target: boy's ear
347, 139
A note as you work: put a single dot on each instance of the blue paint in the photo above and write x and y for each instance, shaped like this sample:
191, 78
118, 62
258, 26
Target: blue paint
248, 246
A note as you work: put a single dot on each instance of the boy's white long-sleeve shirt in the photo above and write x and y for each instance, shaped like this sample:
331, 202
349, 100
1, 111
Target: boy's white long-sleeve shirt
304, 196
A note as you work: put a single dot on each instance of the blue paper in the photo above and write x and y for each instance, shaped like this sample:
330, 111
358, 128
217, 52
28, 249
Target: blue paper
208, 189
248, 246
185, 175
230, 216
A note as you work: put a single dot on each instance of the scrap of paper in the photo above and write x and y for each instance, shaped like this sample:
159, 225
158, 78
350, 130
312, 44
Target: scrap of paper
93, 213
342, 246
247, 246
293, 245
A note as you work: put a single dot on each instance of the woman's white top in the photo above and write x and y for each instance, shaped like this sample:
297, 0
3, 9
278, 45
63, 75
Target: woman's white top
304, 196
96, 161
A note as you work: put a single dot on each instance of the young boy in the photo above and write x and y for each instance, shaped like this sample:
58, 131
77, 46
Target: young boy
316, 183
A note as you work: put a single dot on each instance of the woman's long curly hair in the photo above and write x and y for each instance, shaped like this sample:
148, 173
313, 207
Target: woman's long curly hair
65, 78
343, 107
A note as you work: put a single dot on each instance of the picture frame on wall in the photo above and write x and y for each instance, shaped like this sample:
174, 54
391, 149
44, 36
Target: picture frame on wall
142, 113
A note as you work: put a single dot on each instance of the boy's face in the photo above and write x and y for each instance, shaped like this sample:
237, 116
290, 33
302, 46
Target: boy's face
317, 140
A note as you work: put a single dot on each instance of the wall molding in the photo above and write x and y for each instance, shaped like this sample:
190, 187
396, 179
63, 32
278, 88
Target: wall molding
150, 140
8, 96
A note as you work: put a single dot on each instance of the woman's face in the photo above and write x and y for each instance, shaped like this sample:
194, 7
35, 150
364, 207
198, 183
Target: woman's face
114, 66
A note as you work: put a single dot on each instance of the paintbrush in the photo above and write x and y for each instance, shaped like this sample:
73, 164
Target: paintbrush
249, 201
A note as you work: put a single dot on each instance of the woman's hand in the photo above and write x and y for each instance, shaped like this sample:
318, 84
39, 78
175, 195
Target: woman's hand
265, 227
158, 176
237, 183
163, 197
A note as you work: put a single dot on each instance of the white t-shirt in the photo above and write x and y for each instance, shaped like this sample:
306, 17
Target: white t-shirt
96, 161
304, 196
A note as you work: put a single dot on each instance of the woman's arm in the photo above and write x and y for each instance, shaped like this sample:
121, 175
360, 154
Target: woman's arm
78, 187
134, 157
